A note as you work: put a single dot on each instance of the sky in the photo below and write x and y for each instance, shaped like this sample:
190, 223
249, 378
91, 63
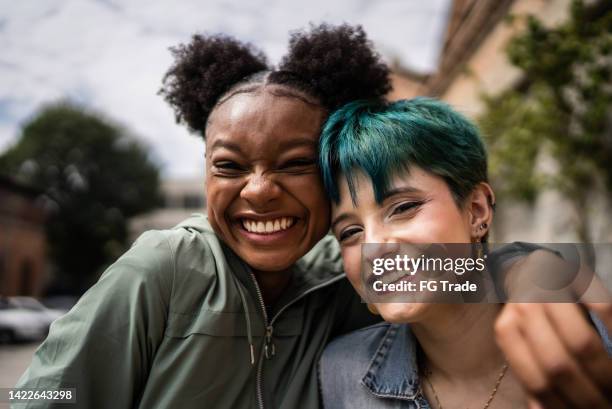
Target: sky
110, 56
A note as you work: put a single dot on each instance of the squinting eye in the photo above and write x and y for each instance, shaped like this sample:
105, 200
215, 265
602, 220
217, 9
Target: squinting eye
348, 233
297, 163
406, 206
228, 166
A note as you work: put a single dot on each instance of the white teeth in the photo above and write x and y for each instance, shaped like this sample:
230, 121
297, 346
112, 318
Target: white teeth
269, 226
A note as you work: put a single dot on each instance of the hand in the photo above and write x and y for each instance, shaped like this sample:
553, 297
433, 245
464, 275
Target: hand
556, 354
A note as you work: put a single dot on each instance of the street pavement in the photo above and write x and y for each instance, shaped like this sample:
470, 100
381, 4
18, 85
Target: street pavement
14, 359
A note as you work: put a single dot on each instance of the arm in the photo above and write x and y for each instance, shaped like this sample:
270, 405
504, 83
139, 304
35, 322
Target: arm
104, 346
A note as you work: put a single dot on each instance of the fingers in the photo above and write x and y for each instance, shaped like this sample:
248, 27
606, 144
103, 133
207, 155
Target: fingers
534, 404
558, 363
546, 346
583, 343
513, 343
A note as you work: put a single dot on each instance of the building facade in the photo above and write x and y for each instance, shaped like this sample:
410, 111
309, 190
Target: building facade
473, 63
23, 261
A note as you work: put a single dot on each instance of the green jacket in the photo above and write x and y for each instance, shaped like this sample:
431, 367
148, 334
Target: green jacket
178, 322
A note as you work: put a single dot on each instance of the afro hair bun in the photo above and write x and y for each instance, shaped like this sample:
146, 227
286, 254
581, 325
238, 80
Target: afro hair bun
335, 64
203, 71
339, 62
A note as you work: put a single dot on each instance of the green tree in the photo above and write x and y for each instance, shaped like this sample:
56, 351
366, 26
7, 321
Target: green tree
93, 177
564, 104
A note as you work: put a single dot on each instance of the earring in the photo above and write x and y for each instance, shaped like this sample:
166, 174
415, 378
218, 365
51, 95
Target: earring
373, 309
483, 226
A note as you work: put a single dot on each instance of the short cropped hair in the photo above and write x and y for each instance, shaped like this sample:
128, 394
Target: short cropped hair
381, 138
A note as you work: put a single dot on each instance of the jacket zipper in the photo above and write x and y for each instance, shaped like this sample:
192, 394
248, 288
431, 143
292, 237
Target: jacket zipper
269, 349
258, 377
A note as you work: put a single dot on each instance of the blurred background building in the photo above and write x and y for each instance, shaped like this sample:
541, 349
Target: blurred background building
181, 198
23, 258
473, 64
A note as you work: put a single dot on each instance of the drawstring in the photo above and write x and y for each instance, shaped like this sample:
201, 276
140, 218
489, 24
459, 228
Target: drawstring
247, 318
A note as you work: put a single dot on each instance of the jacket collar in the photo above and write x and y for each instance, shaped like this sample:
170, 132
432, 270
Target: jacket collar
393, 371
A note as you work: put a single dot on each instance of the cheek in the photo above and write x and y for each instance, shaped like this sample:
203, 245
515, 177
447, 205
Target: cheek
310, 192
219, 195
351, 258
441, 224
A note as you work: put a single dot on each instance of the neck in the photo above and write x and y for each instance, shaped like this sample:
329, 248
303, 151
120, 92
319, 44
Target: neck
272, 284
458, 341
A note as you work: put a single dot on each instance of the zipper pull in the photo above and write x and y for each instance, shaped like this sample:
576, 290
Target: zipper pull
269, 348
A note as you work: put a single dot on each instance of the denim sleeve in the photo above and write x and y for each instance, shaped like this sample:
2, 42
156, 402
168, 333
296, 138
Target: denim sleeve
603, 332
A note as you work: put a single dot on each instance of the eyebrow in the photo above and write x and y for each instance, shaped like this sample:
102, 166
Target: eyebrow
219, 143
301, 141
398, 190
283, 145
388, 194
339, 219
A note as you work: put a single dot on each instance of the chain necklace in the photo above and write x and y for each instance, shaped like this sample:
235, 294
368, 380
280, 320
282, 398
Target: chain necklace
426, 374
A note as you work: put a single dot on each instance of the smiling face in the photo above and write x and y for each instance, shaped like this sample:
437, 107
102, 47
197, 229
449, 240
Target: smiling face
265, 197
418, 208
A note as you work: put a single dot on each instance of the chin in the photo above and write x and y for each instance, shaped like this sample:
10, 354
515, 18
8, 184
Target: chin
402, 313
269, 262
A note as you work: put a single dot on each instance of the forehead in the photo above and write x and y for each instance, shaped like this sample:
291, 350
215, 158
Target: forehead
414, 180
260, 118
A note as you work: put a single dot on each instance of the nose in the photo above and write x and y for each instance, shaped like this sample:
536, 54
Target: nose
377, 234
260, 191
378, 242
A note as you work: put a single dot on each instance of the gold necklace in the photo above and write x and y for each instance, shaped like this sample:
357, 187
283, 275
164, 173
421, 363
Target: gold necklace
426, 374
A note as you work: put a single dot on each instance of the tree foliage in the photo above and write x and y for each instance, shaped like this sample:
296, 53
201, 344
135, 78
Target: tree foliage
564, 105
93, 177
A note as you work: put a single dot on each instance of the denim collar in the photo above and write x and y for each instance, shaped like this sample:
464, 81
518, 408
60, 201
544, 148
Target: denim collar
393, 371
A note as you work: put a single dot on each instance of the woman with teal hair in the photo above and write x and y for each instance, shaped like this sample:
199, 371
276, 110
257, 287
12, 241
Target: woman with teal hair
414, 172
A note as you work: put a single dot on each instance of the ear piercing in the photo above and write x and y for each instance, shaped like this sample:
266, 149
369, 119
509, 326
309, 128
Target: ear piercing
483, 226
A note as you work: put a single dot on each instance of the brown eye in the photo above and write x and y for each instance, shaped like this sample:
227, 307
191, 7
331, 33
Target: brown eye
348, 233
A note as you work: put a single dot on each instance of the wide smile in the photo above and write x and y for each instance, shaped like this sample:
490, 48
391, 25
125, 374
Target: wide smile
266, 230
269, 226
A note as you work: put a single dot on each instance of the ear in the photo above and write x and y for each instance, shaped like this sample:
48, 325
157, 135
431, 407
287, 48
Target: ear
480, 207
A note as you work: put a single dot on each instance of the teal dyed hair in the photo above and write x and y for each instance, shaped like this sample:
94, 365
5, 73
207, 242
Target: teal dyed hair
381, 138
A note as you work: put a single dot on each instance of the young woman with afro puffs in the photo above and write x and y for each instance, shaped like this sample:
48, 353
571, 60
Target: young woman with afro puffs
232, 309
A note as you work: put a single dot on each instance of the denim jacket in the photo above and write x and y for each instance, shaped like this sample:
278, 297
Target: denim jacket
376, 367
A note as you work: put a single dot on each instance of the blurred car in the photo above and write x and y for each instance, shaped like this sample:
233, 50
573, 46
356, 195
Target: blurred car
25, 319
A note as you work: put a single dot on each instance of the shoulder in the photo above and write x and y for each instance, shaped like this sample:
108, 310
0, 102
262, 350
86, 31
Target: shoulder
147, 261
160, 258
324, 258
346, 359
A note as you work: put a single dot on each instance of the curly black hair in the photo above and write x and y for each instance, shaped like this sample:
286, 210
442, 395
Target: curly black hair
330, 64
